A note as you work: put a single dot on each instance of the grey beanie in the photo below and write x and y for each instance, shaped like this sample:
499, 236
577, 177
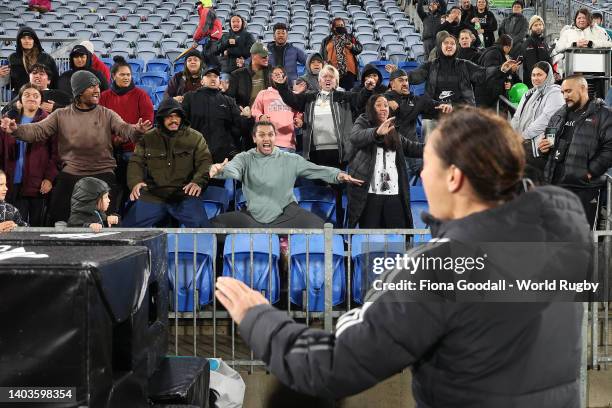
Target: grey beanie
81, 80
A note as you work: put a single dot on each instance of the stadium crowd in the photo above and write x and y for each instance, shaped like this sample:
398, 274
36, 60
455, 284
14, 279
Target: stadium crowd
269, 128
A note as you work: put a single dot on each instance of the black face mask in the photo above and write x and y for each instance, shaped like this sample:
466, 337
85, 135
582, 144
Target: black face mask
340, 30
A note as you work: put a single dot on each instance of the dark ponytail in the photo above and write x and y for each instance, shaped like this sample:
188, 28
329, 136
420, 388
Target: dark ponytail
119, 62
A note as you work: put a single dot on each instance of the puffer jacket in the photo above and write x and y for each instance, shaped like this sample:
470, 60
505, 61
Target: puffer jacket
537, 107
19, 76
167, 161
597, 37
462, 354
590, 150
242, 47
292, 55
342, 104
217, 117
64, 80
461, 74
84, 202
361, 166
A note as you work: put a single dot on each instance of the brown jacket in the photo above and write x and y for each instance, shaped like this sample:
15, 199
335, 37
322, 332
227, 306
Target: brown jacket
84, 138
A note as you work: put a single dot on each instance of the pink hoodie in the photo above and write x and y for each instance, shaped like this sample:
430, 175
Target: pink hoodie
269, 102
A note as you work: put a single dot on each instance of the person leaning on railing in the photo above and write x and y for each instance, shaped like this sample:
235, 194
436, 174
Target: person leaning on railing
462, 354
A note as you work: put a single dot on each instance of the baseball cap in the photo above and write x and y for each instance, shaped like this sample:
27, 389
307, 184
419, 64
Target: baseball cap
259, 49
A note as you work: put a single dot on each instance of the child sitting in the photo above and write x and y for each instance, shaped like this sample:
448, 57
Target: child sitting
89, 203
9, 215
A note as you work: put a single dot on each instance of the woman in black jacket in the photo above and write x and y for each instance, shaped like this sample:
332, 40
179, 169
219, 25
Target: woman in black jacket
484, 22
80, 59
235, 44
29, 52
487, 93
378, 151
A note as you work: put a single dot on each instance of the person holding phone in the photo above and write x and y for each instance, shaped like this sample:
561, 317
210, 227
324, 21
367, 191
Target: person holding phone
4, 72
379, 159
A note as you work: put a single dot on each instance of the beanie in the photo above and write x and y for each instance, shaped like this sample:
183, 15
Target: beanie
81, 80
535, 19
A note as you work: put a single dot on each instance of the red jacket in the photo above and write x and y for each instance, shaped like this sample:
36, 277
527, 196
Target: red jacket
133, 105
213, 29
41, 160
98, 65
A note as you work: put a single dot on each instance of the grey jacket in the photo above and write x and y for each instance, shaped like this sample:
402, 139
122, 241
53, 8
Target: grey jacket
311, 79
537, 107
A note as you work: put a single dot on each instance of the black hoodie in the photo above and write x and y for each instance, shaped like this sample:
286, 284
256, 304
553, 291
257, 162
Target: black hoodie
64, 80
19, 75
84, 202
378, 89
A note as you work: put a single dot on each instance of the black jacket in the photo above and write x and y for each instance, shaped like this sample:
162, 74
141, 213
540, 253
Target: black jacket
455, 29
242, 47
19, 75
468, 15
534, 49
487, 93
342, 104
488, 23
378, 89
84, 202
361, 166
64, 80
470, 54
409, 108
241, 84
217, 117
462, 354
590, 150
431, 21
460, 72
516, 26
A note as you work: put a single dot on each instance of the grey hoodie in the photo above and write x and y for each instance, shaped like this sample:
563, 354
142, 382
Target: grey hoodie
311, 79
537, 107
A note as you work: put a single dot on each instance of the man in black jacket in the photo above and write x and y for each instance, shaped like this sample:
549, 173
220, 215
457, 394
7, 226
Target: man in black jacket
245, 83
216, 116
454, 25
534, 49
487, 93
582, 145
516, 26
467, 11
235, 44
431, 21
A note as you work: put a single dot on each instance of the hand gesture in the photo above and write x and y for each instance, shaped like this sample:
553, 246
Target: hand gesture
7, 226
300, 88
393, 105
386, 127
264, 118
345, 178
47, 106
369, 84
4, 70
246, 111
143, 126
583, 42
179, 98
237, 297
217, 168
298, 122
475, 20
112, 220
445, 108
544, 145
390, 68
192, 189
508, 65
8, 125
45, 186
135, 194
95, 227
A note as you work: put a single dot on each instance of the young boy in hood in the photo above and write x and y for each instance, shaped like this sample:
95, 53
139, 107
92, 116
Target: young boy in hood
314, 63
89, 203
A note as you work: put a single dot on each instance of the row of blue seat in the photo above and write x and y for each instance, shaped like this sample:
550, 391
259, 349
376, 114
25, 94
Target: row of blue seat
254, 260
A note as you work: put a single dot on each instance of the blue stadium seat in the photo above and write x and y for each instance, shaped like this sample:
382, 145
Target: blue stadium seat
137, 65
313, 271
108, 62
158, 95
178, 66
408, 66
154, 79
240, 200
204, 273
158, 65
215, 201
318, 200
364, 248
263, 272
148, 89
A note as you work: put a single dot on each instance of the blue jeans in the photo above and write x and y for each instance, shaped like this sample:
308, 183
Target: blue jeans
189, 213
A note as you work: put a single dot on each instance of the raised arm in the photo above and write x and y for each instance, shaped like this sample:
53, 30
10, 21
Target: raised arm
33, 132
